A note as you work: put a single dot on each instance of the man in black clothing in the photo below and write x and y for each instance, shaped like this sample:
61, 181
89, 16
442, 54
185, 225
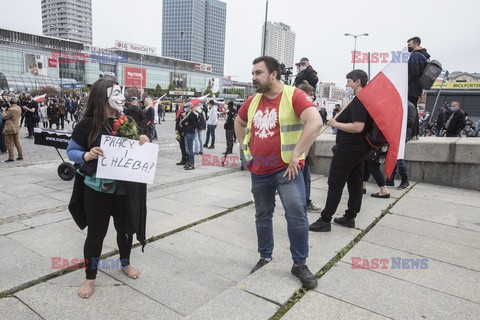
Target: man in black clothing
306, 72
416, 64
456, 122
349, 154
180, 133
31, 109
229, 128
138, 115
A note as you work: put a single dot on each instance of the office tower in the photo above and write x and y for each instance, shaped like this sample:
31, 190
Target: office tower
194, 30
280, 42
68, 19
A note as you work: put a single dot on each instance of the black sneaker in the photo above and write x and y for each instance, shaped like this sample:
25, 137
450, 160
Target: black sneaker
181, 163
403, 185
307, 279
390, 183
260, 264
189, 167
346, 222
320, 226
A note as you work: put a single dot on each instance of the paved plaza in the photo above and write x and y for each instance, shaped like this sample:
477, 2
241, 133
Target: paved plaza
413, 256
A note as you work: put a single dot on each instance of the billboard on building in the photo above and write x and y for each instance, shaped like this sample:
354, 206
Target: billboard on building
179, 80
135, 77
203, 67
36, 64
133, 47
213, 84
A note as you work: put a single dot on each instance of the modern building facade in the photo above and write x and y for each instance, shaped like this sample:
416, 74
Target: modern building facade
68, 19
29, 62
194, 30
280, 42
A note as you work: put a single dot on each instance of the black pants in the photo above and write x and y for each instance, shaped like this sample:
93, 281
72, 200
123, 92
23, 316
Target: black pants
416, 124
229, 135
29, 122
3, 145
183, 148
347, 167
373, 167
98, 208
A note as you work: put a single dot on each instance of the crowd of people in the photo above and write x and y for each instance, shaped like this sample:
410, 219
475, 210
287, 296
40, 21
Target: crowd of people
274, 128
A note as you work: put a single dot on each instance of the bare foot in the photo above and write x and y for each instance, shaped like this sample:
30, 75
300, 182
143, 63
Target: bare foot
131, 272
86, 290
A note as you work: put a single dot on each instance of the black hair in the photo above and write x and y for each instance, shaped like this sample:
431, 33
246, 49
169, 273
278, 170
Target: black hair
415, 40
358, 75
271, 63
97, 106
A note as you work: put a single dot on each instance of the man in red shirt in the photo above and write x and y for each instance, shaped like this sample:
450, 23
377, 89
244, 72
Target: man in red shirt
277, 126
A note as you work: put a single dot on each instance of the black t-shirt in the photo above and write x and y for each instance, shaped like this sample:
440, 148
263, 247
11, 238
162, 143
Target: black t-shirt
355, 112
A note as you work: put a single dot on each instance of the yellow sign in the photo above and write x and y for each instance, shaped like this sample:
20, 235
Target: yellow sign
457, 85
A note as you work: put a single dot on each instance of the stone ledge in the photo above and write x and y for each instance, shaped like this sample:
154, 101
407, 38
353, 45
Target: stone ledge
451, 162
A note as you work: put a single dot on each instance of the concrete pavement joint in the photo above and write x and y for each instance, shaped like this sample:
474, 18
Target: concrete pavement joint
297, 295
261, 297
9, 292
24, 216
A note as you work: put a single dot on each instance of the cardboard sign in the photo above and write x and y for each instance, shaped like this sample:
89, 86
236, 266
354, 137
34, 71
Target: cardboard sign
127, 160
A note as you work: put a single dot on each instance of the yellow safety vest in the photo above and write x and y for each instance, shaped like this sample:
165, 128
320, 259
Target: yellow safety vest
290, 125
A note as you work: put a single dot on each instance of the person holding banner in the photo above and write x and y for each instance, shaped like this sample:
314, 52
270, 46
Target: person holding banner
93, 204
349, 153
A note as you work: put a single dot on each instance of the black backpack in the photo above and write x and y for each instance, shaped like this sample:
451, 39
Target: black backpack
430, 73
201, 123
375, 137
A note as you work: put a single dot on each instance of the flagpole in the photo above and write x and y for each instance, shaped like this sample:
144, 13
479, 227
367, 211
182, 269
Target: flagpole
336, 116
438, 96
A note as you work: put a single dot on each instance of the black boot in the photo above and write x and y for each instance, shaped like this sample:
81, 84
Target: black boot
404, 184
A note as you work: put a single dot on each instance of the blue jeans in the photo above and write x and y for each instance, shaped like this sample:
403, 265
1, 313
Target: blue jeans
292, 195
210, 132
189, 138
477, 129
402, 169
198, 141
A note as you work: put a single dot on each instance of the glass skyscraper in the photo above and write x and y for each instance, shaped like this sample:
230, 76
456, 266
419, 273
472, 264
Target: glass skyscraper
194, 30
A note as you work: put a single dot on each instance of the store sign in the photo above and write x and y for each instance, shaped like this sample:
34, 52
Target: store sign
138, 48
106, 74
135, 77
52, 63
457, 85
203, 67
181, 93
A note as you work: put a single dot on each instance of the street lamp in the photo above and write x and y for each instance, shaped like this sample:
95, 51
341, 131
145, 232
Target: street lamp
355, 45
265, 29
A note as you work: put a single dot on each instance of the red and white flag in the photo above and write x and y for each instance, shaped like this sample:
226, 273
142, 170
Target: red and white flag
196, 101
155, 102
386, 100
39, 98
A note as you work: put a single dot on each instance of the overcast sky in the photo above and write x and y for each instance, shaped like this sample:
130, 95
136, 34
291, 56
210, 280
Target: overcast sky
448, 29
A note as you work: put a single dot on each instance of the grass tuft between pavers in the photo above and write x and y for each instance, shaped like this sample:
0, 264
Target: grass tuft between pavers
298, 295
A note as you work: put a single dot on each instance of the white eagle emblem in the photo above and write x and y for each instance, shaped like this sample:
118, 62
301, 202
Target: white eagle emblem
264, 123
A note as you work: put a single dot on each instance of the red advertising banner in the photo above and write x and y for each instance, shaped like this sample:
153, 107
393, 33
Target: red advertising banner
52, 63
135, 77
